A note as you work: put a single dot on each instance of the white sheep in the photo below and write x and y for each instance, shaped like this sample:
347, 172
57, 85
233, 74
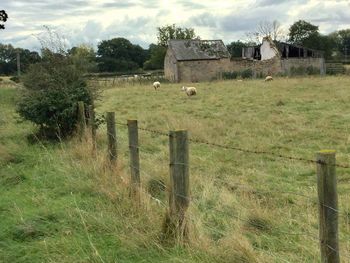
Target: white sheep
190, 91
268, 78
156, 85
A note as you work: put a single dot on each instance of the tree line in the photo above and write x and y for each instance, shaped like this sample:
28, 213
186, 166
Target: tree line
120, 55
113, 55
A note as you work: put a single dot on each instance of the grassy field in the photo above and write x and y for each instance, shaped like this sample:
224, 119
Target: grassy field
60, 204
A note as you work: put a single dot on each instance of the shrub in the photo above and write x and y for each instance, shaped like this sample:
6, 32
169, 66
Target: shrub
247, 73
15, 79
230, 75
310, 70
297, 71
52, 89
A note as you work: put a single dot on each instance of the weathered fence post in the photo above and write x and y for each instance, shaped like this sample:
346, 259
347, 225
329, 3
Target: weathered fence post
134, 158
111, 136
81, 120
176, 224
92, 125
328, 206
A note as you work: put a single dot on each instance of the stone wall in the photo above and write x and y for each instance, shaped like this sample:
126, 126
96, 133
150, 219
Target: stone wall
171, 67
264, 67
201, 70
288, 64
207, 70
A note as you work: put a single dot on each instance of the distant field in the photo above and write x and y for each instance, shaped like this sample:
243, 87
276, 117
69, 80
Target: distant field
59, 204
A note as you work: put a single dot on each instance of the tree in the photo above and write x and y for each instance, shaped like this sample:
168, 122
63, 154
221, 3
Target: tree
84, 57
267, 28
3, 18
235, 48
341, 39
301, 30
119, 54
165, 33
8, 59
156, 59
306, 34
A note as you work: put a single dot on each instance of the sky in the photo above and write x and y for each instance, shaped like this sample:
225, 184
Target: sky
91, 21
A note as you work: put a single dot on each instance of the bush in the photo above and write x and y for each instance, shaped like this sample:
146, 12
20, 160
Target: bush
297, 71
310, 70
230, 75
247, 73
53, 88
15, 79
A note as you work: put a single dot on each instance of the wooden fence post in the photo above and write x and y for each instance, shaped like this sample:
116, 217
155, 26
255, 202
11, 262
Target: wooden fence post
81, 120
134, 157
92, 125
176, 224
328, 206
111, 136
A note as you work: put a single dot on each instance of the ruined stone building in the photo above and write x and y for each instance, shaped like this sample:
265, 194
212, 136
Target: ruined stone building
205, 60
194, 60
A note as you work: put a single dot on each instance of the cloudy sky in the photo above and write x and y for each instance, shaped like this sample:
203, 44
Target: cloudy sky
90, 21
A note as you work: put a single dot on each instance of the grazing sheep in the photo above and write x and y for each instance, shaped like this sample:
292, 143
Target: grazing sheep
268, 78
190, 91
156, 85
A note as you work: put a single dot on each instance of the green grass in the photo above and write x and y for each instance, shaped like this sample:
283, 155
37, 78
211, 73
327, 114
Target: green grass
60, 204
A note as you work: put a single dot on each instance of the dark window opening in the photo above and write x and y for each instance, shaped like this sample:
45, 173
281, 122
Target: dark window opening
257, 54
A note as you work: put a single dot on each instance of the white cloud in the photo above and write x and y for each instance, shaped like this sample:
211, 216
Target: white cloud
89, 21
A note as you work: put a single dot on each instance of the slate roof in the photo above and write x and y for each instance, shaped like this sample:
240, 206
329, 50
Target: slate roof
198, 49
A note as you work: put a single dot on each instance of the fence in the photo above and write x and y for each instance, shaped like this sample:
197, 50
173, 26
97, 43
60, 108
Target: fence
135, 79
335, 68
176, 219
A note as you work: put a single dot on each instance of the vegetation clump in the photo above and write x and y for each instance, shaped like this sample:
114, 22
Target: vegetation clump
52, 89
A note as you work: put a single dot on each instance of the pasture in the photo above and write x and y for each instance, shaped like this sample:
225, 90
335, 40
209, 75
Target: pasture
59, 203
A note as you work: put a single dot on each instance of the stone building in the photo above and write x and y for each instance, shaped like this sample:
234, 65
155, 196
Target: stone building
205, 60
195, 60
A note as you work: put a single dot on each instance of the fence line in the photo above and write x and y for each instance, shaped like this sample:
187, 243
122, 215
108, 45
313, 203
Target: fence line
242, 149
258, 191
179, 187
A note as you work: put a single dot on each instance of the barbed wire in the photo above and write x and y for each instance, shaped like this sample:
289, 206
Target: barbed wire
197, 141
255, 224
312, 199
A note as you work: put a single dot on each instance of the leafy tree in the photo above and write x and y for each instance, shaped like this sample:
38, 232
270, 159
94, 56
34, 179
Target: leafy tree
119, 54
341, 39
3, 18
156, 60
168, 32
235, 48
306, 34
301, 30
8, 59
84, 57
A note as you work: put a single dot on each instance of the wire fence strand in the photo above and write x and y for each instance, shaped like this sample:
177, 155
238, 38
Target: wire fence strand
278, 155
227, 147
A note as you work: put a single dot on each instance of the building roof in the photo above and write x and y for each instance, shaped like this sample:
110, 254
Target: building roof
198, 49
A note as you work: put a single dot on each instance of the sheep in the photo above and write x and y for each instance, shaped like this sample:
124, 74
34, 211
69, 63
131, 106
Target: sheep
156, 85
268, 78
190, 91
